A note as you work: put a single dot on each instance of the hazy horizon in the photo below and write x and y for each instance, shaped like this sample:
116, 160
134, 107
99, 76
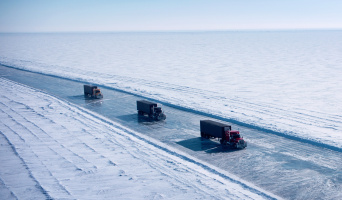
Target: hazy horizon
179, 31
36, 16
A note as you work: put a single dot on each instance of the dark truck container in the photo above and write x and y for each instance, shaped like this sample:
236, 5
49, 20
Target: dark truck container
92, 91
224, 132
151, 109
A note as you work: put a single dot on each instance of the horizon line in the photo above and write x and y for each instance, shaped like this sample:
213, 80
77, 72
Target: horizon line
175, 31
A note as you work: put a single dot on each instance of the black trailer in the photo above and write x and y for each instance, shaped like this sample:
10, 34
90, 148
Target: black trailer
88, 89
214, 129
151, 109
144, 106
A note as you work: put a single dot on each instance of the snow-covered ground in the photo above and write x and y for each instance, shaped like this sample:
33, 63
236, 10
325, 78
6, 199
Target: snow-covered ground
285, 81
50, 148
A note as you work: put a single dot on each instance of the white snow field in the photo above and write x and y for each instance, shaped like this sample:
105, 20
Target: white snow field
52, 149
284, 81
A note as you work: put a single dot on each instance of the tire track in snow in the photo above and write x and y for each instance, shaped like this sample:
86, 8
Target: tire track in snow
84, 168
37, 183
26, 151
45, 133
3, 187
43, 137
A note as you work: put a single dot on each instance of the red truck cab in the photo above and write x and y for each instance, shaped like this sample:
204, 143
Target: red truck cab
234, 138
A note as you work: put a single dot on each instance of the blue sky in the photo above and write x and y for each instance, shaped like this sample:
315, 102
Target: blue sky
164, 15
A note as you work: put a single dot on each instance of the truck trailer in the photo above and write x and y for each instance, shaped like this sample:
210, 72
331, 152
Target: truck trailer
92, 91
151, 109
227, 136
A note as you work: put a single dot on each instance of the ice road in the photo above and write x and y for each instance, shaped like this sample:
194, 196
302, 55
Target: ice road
52, 149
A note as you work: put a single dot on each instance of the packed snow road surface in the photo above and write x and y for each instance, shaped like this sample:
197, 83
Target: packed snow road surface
288, 168
53, 149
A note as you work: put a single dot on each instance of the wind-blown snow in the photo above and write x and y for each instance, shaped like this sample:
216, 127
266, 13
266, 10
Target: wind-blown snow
289, 82
54, 149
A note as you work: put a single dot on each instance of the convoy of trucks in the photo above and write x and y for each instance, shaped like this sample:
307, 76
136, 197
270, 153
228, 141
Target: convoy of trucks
227, 136
151, 109
92, 91
209, 129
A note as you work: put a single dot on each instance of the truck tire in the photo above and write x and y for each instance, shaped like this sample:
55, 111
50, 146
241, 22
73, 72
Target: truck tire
161, 117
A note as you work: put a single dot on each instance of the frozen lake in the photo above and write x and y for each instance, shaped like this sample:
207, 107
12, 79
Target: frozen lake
288, 168
285, 81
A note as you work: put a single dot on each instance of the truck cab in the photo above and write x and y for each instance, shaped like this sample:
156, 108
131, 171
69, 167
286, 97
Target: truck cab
97, 93
233, 138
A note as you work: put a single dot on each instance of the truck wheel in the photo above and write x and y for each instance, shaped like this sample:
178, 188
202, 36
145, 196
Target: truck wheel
202, 135
161, 117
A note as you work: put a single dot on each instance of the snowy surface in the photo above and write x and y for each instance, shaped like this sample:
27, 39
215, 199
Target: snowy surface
285, 81
54, 149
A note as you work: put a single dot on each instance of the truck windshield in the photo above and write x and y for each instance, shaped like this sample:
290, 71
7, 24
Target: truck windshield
236, 136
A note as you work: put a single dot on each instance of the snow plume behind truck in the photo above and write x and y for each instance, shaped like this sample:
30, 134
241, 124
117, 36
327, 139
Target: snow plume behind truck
227, 136
151, 109
92, 91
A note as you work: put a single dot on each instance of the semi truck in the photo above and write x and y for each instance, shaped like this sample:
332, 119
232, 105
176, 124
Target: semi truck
151, 109
92, 91
227, 136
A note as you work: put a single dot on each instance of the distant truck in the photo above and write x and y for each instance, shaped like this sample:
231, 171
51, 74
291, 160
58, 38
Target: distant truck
212, 129
92, 91
151, 109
